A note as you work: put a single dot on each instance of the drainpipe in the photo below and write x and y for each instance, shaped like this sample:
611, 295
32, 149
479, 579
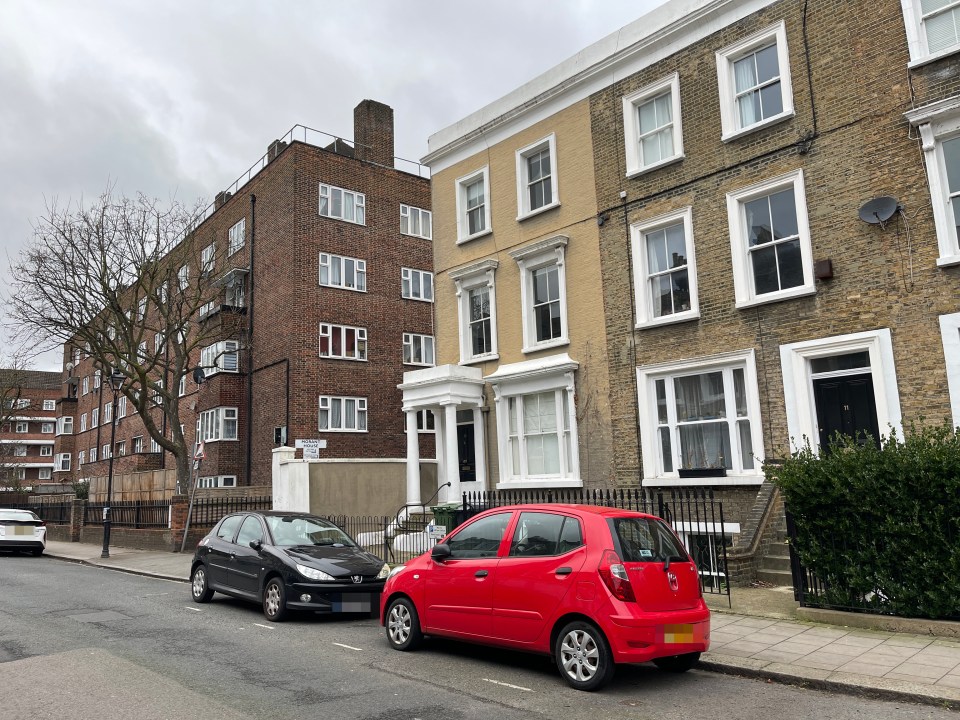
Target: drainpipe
250, 306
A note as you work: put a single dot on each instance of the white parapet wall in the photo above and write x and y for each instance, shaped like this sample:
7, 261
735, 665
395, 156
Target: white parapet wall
291, 481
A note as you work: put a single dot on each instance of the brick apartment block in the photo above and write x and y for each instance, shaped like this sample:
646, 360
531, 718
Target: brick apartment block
29, 426
308, 206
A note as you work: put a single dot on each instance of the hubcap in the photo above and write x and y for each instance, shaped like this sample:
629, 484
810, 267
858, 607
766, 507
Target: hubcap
580, 655
199, 580
399, 624
273, 599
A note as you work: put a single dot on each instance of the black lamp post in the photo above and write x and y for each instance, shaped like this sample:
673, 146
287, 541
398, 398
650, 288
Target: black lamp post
116, 382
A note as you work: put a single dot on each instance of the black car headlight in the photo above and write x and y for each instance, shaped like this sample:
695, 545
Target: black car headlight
313, 574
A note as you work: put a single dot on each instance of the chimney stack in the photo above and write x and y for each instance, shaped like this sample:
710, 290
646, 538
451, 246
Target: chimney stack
274, 149
373, 132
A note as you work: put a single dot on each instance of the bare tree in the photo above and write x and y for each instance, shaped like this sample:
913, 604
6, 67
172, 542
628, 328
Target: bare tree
122, 281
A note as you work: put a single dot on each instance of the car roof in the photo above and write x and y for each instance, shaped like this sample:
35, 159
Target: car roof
601, 510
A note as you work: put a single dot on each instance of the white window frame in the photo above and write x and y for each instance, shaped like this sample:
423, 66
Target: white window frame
19, 450
47, 474
424, 221
359, 204
183, 277
641, 270
83, 422
93, 454
424, 418
22, 428
107, 412
917, 37
46, 451
729, 117
121, 407
182, 387
410, 343
136, 446
208, 259
950, 332
48, 428
85, 385
105, 452
141, 308
547, 252
215, 425
631, 124
937, 123
549, 144
516, 381
463, 225
236, 236
49, 405
64, 425
647, 377
121, 448
155, 446
94, 418
798, 385
328, 330
63, 462
471, 277
223, 356
328, 261
742, 268
406, 284
96, 379
325, 405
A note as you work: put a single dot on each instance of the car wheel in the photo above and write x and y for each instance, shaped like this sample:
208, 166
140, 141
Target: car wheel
403, 625
677, 663
583, 656
198, 585
274, 600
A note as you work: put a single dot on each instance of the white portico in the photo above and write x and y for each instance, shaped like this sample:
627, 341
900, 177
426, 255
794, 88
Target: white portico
454, 394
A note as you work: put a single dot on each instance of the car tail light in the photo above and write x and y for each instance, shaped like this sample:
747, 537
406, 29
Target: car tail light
614, 576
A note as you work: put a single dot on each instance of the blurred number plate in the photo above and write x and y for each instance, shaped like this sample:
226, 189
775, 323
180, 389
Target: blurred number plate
21, 530
678, 634
357, 602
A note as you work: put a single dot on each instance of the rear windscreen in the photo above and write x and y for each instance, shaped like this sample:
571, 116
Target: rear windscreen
647, 540
18, 516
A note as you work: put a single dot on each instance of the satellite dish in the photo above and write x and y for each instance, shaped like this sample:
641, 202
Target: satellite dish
879, 210
198, 375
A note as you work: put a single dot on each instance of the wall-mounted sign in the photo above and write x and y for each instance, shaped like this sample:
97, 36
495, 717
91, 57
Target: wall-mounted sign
311, 448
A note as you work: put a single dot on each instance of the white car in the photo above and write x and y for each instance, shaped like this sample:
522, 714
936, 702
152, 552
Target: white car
22, 530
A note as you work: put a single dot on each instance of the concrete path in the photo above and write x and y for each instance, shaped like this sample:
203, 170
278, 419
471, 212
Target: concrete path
762, 633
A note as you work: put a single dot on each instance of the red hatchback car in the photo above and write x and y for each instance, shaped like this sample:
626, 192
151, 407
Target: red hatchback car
592, 586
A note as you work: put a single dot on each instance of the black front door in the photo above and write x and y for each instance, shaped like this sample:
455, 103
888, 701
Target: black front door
846, 405
467, 461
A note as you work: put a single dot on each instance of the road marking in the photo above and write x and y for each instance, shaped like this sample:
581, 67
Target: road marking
348, 647
187, 607
515, 687
268, 627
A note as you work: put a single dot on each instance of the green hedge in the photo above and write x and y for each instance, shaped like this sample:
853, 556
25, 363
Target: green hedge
881, 526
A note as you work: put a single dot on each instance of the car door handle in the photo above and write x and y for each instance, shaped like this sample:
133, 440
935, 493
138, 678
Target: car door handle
563, 571
480, 573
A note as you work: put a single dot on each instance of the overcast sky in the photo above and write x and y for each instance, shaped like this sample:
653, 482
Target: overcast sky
178, 98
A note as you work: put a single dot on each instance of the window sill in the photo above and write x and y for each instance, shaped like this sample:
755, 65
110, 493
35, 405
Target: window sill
340, 287
727, 137
528, 484
674, 319
331, 357
419, 237
422, 365
477, 359
417, 299
927, 59
636, 172
538, 211
476, 236
948, 261
339, 219
354, 432
802, 291
559, 342
729, 480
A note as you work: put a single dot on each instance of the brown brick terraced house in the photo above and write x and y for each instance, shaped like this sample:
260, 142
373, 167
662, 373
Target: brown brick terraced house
28, 428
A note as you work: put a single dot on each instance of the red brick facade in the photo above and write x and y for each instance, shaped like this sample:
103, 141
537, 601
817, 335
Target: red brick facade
28, 431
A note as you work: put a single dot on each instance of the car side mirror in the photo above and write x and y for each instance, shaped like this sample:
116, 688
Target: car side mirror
440, 552
256, 545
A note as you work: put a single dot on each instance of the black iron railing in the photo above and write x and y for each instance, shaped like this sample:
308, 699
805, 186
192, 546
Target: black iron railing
50, 513
207, 511
696, 516
135, 514
369, 531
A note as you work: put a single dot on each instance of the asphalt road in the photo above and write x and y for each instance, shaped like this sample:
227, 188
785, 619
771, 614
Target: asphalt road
85, 642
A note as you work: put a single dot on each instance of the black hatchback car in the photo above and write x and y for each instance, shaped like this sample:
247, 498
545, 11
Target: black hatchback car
287, 561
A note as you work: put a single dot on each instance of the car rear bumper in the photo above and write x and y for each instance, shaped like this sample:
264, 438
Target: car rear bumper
22, 543
641, 637
324, 598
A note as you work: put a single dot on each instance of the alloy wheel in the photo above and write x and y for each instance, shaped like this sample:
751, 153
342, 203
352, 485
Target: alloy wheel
199, 582
399, 623
580, 655
272, 600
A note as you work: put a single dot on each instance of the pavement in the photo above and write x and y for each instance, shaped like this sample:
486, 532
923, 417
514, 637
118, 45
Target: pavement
759, 632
